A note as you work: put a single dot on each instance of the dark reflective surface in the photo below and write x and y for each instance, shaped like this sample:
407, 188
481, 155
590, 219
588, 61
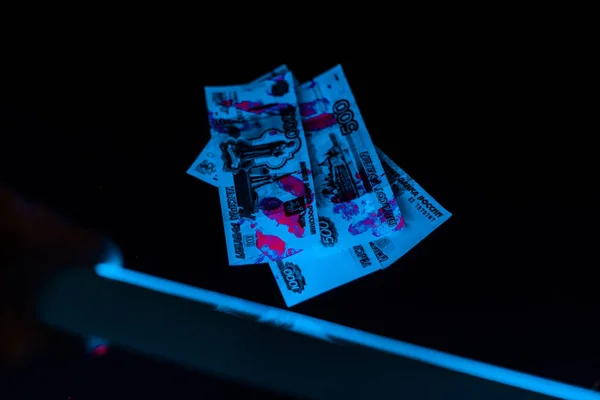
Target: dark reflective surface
507, 280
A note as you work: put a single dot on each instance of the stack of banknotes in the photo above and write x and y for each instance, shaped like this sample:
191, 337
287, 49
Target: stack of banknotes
302, 186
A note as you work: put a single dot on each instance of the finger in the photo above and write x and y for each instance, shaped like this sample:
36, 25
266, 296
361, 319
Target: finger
39, 242
45, 237
20, 339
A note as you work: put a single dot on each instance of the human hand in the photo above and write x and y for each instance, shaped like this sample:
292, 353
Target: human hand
34, 243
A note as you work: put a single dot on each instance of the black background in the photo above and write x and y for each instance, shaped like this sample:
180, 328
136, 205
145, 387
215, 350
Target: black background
105, 136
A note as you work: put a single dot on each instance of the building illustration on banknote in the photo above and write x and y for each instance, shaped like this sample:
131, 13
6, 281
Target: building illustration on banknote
256, 163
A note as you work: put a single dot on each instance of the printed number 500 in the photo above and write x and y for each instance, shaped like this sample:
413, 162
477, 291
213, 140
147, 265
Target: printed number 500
344, 117
327, 232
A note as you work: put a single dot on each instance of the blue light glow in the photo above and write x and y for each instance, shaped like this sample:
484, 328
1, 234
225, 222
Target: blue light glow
328, 331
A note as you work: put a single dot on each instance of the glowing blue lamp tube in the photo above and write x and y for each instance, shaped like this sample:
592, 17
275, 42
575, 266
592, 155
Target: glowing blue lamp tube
145, 321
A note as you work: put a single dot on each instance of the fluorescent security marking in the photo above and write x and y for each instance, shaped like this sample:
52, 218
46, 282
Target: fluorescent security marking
326, 330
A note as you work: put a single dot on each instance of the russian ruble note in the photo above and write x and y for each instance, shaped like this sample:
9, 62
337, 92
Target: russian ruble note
265, 183
204, 166
354, 197
301, 277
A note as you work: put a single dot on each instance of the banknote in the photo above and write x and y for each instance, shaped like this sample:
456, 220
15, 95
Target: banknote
204, 166
265, 183
302, 277
354, 197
